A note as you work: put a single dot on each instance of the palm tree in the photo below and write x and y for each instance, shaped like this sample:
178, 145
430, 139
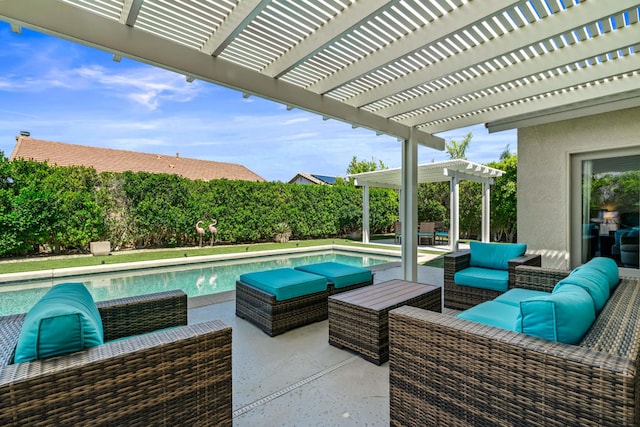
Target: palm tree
457, 149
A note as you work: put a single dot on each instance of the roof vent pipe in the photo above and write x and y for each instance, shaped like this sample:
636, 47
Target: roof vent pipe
25, 133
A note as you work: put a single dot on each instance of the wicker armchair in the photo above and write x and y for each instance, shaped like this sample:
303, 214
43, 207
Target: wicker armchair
449, 371
462, 297
180, 376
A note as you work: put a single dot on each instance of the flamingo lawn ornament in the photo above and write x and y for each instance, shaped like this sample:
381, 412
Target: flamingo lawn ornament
200, 231
214, 231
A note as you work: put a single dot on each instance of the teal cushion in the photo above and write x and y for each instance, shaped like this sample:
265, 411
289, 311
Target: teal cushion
494, 255
493, 313
606, 266
286, 283
592, 281
340, 275
564, 315
516, 295
65, 320
485, 278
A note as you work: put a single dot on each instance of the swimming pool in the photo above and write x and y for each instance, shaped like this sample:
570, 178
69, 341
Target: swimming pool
195, 279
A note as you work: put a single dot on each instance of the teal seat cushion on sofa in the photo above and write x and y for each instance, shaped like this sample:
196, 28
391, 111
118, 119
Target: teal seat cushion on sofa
565, 315
494, 255
65, 320
515, 295
286, 283
493, 313
485, 278
340, 275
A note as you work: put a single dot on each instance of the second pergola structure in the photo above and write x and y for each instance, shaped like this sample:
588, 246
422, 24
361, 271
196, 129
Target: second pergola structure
452, 171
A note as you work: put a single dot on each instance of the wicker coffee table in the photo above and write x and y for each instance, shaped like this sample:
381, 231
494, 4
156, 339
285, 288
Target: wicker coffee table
359, 319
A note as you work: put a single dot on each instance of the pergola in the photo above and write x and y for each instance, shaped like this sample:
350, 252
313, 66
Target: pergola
452, 171
406, 68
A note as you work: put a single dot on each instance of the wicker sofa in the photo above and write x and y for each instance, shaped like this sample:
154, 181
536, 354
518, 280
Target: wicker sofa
179, 376
449, 371
460, 297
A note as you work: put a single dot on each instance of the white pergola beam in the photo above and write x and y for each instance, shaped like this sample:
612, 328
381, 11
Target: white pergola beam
486, 212
365, 214
130, 11
462, 176
345, 21
560, 57
454, 212
578, 77
592, 93
597, 106
409, 210
446, 25
238, 19
93, 30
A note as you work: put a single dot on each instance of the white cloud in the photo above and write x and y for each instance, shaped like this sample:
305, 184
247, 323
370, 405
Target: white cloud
145, 86
296, 120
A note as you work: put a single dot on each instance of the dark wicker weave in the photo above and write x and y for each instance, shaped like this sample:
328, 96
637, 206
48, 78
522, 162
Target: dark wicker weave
358, 320
276, 317
180, 376
449, 371
462, 297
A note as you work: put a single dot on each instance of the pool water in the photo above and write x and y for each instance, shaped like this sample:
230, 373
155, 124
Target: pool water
194, 280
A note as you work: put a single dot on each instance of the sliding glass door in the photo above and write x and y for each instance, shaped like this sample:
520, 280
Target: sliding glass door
605, 209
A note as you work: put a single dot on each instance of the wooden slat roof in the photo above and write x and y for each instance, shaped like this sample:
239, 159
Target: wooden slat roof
406, 68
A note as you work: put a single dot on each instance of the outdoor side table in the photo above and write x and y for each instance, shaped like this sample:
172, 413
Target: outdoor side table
359, 319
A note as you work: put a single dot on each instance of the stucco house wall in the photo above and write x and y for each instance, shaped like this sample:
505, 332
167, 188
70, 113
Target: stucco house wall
544, 160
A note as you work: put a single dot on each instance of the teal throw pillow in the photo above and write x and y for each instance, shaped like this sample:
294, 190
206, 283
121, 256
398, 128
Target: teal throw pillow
565, 315
65, 320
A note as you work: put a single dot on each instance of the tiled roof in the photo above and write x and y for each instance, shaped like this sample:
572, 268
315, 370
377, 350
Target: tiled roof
111, 160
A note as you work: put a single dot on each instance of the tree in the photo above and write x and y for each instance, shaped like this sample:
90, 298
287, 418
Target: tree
504, 199
433, 201
359, 166
506, 153
457, 149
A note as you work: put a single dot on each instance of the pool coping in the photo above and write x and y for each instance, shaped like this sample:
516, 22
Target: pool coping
58, 273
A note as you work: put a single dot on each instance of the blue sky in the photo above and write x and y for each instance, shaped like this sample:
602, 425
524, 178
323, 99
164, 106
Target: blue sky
62, 91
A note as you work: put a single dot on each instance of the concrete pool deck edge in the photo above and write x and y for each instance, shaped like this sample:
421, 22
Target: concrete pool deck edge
59, 273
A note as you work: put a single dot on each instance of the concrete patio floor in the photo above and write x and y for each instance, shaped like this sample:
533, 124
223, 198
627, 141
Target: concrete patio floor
297, 378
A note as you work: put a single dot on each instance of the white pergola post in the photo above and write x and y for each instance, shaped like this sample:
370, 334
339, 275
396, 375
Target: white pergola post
365, 214
486, 211
454, 229
409, 209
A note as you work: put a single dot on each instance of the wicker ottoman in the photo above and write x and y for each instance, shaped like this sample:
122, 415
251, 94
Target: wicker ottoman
281, 299
359, 319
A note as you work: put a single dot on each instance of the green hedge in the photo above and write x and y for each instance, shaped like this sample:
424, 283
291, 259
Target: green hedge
65, 208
